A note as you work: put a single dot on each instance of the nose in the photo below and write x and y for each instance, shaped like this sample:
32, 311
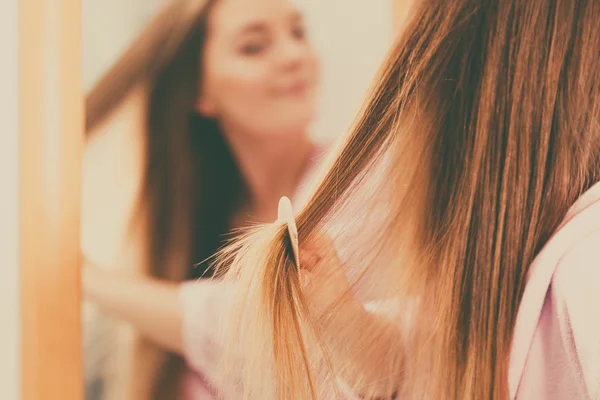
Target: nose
291, 53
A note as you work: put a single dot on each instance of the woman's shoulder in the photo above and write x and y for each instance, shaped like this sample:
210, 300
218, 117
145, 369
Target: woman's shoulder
575, 283
561, 302
576, 294
574, 249
577, 273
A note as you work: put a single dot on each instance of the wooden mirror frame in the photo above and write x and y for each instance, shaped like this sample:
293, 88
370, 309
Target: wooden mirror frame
51, 143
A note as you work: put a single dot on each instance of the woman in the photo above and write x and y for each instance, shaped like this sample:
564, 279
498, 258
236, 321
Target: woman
485, 120
229, 93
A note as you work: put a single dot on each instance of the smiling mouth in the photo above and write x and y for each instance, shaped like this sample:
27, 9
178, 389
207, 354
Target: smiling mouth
297, 89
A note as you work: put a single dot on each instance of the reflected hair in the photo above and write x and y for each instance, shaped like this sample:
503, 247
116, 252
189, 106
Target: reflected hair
485, 120
191, 184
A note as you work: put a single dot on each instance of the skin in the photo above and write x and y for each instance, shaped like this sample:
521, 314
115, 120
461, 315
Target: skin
260, 81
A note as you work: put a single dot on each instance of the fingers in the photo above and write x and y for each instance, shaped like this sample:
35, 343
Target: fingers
309, 259
318, 255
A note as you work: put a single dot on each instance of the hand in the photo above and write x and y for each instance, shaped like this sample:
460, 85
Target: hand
346, 326
95, 279
321, 272
91, 278
323, 277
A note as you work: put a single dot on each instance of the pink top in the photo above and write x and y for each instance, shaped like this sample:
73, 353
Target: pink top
556, 348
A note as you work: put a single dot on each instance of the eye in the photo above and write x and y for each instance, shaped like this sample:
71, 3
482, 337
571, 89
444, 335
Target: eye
253, 48
299, 32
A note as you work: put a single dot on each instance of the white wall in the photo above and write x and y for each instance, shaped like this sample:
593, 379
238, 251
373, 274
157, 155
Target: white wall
352, 37
9, 201
108, 26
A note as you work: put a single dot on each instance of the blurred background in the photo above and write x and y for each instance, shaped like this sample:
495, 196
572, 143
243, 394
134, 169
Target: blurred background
351, 38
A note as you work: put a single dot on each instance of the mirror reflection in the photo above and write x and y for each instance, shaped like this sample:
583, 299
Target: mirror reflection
200, 116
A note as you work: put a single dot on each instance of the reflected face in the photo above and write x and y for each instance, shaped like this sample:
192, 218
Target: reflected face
260, 73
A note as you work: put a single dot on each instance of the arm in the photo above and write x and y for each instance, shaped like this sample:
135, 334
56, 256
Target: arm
183, 318
186, 320
151, 306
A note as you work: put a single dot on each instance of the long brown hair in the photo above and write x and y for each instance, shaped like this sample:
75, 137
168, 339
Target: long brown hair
191, 183
499, 103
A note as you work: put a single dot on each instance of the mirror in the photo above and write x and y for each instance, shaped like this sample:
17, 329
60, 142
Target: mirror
280, 82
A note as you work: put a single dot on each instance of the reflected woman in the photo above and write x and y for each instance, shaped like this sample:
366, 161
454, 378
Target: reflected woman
228, 90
